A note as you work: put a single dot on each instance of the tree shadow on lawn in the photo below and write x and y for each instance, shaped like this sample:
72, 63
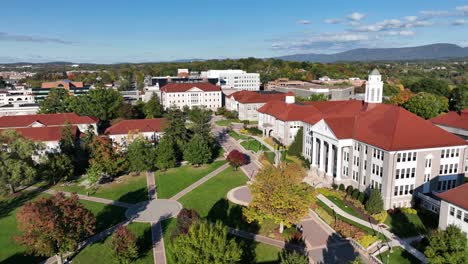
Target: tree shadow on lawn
144, 242
343, 253
136, 196
109, 216
403, 227
231, 215
19, 258
14, 201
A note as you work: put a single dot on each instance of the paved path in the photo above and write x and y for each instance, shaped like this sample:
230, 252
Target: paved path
395, 241
240, 195
151, 185
200, 182
262, 239
153, 211
92, 198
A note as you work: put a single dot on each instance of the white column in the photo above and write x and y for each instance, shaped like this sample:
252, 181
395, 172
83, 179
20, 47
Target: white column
314, 152
338, 164
330, 160
322, 155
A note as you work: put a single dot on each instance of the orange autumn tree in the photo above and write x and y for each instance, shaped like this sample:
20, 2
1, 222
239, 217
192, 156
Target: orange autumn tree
402, 97
54, 226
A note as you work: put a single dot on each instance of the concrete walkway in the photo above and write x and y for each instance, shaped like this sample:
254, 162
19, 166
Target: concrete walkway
240, 195
199, 182
92, 198
394, 240
159, 252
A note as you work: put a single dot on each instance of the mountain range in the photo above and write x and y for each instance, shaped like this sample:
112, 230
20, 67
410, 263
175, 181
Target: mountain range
437, 51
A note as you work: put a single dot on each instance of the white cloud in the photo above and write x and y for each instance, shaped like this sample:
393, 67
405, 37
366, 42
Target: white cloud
304, 22
356, 16
27, 38
411, 18
327, 41
435, 13
464, 8
460, 22
332, 21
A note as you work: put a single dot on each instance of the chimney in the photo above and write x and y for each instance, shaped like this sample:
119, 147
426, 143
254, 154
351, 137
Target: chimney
290, 99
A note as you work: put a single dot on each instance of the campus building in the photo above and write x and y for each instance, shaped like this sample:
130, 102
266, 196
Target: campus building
234, 79
454, 208
246, 103
453, 122
199, 94
74, 88
123, 132
368, 145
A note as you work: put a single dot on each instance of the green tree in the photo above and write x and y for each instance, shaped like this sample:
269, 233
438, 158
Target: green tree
125, 85
101, 103
124, 246
447, 247
67, 141
426, 105
374, 204
295, 149
280, 195
141, 155
197, 151
17, 166
459, 98
430, 85
176, 131
105, 158
57, 101
200, 120
153, 107
54, 226
293, 257
165, 154
206, 243
57, 167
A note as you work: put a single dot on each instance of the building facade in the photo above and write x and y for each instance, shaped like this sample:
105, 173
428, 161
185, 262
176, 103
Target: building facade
306, 89
200, 94
453, 122
125, 131
246, 103
454, 208
234, 79
16, 96
19, 109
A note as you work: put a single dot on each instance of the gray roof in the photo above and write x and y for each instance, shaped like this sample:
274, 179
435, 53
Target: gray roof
375, 72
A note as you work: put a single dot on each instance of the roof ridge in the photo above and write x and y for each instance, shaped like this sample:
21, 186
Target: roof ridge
398, 109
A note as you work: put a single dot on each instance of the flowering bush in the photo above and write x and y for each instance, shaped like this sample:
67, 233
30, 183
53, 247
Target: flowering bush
380, 217
367, 240
237, 158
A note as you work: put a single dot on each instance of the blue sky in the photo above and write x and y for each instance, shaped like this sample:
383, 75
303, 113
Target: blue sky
105, 31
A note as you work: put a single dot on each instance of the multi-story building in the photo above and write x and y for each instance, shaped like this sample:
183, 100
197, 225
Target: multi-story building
17, 109
368, 145
454, 208
125, 131
246, 103
306, 89
453, 122
74, 88
201, 94
16, 96
234, 79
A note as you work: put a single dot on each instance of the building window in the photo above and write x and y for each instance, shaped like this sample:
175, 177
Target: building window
466, 217
396, 191
397, 174
459, 213
399, 157
452, 211
413, 171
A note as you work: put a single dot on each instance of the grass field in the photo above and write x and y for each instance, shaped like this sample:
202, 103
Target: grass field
130, 189
339, 203
406, 224
172, 181
253, 145
10, 252
226, 122
399, 255
236, 135
100, 252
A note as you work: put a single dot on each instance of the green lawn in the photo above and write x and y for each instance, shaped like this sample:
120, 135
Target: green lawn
407, 225
341, 204
106, 215
226, 122
172, 181
253, 145
270, 157
130, 189
253, 252
399, 255
236, 135
100, 252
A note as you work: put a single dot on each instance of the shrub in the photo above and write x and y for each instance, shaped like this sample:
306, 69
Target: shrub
374, 204
334, 186
124, 245
355, 193
367, 240
380, 217
361, 197
243, 131
254, 131
409, 211
293, 257
185, 219
349, 189
237, 158
291, 234
342, 188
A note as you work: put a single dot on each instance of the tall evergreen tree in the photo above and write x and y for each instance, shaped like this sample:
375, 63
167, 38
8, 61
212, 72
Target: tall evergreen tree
374, 204
153, 107
141, 155
295, 149
165, 154
57, 101
176, 131
197, 151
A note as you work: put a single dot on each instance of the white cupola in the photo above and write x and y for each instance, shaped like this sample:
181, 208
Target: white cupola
374, 88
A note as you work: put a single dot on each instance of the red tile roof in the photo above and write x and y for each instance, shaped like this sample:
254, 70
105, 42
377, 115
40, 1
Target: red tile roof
453, 119
46, 120
43, 134
140, 125
251, 97
67, 84
384, 126
184, 87
457, 196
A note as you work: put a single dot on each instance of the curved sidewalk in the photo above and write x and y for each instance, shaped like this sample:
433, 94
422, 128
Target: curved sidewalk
394, 239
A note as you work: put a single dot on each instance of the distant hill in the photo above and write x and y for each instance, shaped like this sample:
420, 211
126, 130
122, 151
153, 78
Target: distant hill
428, 52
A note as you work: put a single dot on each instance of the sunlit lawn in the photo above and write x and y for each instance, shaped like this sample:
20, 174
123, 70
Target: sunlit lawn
398, 255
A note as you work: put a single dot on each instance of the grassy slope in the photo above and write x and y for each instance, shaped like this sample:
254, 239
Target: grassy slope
399, 256
172, 181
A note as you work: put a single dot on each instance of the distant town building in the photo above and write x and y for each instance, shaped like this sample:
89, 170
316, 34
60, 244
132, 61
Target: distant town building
16, 109
15, 76
16, 96
66, 84
74, 88
234, 79
191, 94
453, 122
354, 81
454, 208
123, 132
306, 89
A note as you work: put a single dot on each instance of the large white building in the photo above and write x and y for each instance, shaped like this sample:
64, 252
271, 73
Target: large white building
200, 94
125, 131
234, 79
368, 145
16, 96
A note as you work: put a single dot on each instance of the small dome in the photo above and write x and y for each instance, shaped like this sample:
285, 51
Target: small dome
375, 72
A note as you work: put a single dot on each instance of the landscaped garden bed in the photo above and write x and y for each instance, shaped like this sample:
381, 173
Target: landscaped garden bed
253, 145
